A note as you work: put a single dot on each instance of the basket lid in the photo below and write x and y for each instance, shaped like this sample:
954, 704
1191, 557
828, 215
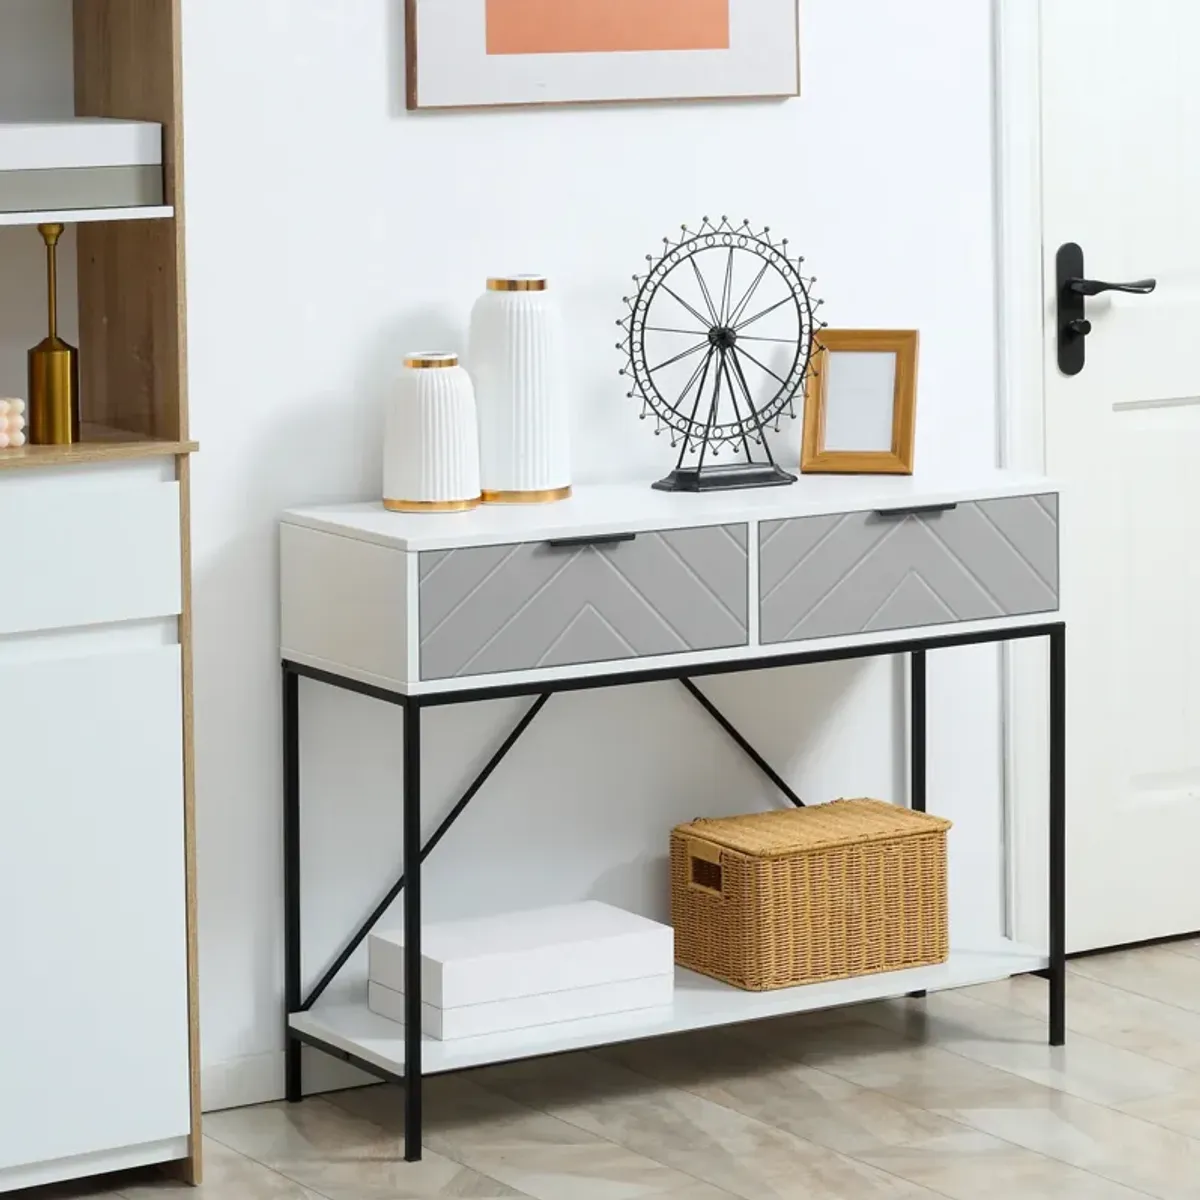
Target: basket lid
783, 832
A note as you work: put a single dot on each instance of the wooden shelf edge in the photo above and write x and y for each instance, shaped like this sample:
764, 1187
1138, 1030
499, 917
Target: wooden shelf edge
110, 449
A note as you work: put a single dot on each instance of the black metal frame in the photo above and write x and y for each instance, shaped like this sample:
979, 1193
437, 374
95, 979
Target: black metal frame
415, 853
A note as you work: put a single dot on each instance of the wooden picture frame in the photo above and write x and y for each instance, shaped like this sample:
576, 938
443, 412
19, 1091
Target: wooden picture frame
847, 403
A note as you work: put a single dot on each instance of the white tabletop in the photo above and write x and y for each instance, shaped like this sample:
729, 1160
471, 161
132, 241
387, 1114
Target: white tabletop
635, 507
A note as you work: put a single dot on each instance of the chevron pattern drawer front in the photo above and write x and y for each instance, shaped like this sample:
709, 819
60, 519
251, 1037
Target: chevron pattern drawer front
861, 572
491, 609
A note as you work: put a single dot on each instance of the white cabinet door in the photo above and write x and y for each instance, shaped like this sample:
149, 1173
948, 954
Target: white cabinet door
93, 971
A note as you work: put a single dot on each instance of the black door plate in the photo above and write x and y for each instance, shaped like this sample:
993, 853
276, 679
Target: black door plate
1072, 345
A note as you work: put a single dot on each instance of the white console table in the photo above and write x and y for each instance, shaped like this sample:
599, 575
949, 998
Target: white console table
623, 585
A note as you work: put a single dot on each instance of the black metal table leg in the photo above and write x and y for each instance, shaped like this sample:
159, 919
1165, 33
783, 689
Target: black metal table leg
918, 743
412, 931
1058, 836
293, 1081
917, 730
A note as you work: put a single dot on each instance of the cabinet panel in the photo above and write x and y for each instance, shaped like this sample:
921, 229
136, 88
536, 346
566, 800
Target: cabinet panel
93, 971
87, 555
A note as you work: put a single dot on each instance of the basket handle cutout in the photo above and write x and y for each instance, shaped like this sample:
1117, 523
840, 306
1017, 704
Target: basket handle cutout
705, 873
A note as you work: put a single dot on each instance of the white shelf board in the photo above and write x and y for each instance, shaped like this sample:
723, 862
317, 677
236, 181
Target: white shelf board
82, 216
700, 1003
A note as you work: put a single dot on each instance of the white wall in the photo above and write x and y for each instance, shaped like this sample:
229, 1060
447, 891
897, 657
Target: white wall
328, 233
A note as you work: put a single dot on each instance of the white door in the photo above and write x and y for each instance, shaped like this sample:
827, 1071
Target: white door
1121, 177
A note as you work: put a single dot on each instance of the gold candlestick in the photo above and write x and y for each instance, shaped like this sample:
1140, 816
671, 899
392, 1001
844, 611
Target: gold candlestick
53, 367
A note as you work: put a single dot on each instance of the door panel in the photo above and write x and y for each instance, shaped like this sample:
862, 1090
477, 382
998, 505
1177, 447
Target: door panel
1121, 127
93, 971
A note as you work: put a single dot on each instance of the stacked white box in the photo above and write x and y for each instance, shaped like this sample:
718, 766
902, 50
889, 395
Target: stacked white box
520, 970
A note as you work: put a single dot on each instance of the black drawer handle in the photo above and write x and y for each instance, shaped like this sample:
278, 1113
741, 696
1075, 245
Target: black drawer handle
596, 539
919, 510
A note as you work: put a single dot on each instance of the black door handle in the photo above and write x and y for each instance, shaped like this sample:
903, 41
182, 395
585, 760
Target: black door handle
1073, 288
1093, 287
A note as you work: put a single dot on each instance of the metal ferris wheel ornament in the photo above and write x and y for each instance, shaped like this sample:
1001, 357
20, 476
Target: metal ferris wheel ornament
719, 342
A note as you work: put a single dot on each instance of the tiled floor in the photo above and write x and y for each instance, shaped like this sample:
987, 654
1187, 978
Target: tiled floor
956, 1096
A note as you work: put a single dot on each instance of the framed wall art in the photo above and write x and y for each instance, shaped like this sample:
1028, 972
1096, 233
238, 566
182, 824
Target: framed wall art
860, 407
494, 53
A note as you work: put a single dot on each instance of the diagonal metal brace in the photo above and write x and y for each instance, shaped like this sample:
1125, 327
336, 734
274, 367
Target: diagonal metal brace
750, 752
444, 828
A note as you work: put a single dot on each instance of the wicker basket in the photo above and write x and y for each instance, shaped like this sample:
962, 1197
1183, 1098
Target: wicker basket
778, 899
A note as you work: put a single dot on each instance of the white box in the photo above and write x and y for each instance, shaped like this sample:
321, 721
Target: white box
79, 143
510, 955
527, 1012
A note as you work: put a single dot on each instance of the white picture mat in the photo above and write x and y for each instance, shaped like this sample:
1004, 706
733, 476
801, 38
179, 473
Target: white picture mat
454, 69
860, 399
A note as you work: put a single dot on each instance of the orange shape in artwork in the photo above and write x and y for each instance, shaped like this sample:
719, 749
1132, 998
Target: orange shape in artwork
600, 26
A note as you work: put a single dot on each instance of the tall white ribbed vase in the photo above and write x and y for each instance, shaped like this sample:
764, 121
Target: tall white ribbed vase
517, 361
431, 438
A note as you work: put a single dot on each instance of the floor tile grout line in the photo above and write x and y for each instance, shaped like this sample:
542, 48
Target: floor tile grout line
779, 1129
1116, 987
1046, 1086
320, 1099
724, 1108
1077, 1035
555, 1117
362, 1116
1071, 1029
972, 1128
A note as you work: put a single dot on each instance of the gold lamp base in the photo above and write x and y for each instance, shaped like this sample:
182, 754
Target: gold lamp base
53, 393
53, 367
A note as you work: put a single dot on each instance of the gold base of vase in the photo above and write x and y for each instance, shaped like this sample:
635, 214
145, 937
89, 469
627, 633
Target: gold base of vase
545, 496
53, 412
430, 506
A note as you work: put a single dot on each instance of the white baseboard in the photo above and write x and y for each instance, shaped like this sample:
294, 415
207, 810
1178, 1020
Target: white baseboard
259, 1079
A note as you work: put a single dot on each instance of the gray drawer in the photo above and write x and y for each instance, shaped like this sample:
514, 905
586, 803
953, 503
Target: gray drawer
488, 609
865, 572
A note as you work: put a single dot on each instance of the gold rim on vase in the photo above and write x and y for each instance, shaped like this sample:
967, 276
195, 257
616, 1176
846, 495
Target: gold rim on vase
543, 496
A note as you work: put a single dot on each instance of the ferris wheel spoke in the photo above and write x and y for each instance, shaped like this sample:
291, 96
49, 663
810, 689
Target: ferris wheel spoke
745, 300
760, 365
746, 337
727, 290
680, 357
664, 329
712, 312
681, 300
765, 312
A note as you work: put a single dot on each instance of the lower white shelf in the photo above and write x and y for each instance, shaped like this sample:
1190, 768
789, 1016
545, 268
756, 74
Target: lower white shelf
700, 1003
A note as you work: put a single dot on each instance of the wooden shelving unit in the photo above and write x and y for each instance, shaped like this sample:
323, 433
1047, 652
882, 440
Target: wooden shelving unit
133, 368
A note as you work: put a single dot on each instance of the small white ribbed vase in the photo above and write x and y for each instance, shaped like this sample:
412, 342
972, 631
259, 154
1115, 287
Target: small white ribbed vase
517, 360
431, 438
